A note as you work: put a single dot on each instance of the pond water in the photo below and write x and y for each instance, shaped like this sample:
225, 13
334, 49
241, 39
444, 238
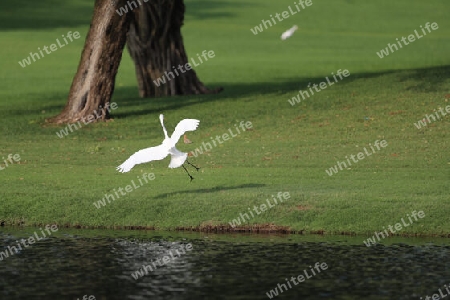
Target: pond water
70, 264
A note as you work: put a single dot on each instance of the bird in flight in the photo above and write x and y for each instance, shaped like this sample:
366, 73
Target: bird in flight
167, 147
288, 33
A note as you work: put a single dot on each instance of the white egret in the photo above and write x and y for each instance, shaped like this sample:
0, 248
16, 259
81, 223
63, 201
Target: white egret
167, 147
288, 33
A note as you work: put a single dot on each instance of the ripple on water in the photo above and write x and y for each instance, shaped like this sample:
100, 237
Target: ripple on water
68, 267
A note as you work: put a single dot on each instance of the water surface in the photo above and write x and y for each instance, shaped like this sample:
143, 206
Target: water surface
73, 263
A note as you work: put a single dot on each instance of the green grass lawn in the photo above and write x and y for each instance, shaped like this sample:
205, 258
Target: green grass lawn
288, 148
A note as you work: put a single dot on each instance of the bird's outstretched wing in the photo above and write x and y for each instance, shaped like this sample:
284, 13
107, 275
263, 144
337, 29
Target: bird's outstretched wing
182, 127
143, 156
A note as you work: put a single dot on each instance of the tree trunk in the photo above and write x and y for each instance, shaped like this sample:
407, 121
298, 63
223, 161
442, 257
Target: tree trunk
156, 46
93, 84
153, 32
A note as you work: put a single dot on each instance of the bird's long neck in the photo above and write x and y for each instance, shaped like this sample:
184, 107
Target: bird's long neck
164, 129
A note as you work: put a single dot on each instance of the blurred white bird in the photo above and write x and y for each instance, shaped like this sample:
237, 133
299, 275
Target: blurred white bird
288, 33
167, 147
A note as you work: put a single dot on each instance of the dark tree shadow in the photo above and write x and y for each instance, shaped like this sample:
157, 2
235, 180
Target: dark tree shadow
46, 14
431, 79
428, 79
202, 10
50, 14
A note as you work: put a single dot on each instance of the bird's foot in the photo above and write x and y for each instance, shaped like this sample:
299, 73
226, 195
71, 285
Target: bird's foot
196, 168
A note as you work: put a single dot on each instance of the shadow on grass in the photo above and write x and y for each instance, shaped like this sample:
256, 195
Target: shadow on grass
429, 79
50, 14
202, 10
46, 14
212, 190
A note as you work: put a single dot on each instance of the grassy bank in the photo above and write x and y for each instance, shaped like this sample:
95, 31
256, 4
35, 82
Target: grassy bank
288, 149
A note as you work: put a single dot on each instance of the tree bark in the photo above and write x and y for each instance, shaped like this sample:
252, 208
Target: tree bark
156, 46
93, 84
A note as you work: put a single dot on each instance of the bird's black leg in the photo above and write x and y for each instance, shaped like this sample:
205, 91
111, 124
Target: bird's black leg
197, 168
187, 172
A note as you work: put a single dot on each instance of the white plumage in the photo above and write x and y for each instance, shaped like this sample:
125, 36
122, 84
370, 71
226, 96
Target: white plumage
167, 147
288, 33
